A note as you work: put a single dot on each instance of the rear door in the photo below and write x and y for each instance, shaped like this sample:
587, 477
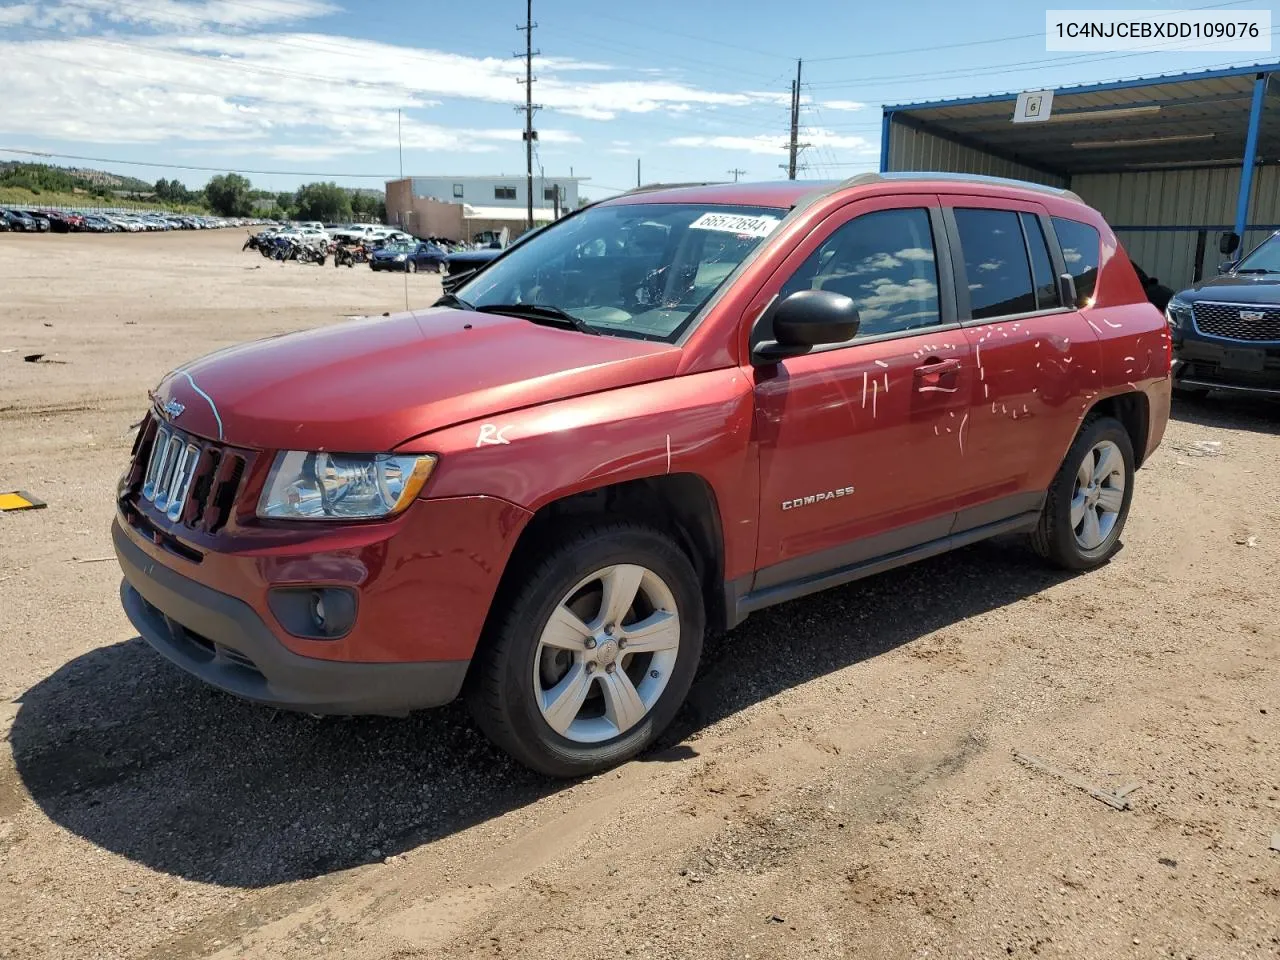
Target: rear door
860, 442
1035, 357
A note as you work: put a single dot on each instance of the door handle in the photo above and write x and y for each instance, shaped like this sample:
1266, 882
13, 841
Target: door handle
935, 368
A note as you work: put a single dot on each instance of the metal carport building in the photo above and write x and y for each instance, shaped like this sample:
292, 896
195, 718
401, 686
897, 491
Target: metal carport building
1172, 162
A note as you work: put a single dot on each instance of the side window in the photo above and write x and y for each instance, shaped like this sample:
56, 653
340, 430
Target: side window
504, 193
1080, 244
1041, 267
995, 263
885, 263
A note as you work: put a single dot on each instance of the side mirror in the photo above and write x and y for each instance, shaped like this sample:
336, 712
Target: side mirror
1228, 243
807, 319
1227, 267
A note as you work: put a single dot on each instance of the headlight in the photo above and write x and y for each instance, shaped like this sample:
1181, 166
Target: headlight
401, 257
1178, 313
336, 486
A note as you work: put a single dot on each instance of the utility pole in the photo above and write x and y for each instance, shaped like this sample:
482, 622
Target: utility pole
529, 107
736, 173
795, 124
637, 171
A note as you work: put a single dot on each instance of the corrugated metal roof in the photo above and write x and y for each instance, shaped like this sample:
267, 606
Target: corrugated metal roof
1190, 118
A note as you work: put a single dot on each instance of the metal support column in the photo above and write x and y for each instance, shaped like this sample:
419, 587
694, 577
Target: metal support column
886, 125
1250, 157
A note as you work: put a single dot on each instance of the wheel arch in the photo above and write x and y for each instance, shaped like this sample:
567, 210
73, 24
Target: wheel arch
681, 505
1133, 410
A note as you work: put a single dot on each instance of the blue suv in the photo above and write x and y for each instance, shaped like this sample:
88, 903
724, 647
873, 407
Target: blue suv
1226, 331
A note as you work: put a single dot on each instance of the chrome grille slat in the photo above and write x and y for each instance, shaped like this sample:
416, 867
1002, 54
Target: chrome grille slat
1224, 321
193, 482
168, 466
158, 448
183, 475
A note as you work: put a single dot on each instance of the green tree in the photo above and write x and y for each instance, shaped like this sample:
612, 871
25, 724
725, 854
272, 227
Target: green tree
228, 195
368, 206
326, 202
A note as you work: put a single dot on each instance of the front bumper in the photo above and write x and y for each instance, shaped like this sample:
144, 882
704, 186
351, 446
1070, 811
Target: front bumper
223, 641
1228, 365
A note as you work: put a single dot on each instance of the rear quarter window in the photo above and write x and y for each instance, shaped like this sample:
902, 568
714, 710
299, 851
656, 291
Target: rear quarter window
1080, 245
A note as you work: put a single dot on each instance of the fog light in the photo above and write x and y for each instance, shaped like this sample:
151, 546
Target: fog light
314, 613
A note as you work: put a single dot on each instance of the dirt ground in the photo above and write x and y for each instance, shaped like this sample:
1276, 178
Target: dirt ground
842, 784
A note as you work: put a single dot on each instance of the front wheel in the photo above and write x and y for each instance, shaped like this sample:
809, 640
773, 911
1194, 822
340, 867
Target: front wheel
411, 267
591, 651
1088, 502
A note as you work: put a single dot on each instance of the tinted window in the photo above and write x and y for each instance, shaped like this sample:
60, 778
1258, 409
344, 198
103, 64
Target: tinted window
995, 263
1041, 266
504, 193
1265, 258
885, 263
1080, 244
636, 269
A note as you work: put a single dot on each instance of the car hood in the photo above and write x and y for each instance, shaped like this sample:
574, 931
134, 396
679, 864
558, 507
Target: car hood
1237, 288
370, 385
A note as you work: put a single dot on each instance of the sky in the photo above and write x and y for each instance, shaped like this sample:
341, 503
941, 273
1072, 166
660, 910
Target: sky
292, 91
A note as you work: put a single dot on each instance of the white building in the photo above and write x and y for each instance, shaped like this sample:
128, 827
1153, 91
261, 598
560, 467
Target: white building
459, 207
505, 192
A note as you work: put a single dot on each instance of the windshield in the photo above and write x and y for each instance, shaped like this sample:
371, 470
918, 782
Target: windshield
1264, 259
400, 247
640, 270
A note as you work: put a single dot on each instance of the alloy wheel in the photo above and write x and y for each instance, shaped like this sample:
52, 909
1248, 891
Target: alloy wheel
1098, 495
606, 653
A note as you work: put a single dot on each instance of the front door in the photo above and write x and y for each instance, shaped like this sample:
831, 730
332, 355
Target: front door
860, 443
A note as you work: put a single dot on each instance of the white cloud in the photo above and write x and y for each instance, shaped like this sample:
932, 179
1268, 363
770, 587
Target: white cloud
197, 73
81, 14
849, 105
775, 143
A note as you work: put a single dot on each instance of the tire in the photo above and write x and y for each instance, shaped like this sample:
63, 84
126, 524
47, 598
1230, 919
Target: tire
1081, 546
513, 670
410, 266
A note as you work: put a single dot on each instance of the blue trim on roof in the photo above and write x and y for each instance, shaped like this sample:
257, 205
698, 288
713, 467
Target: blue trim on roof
1222, 227
1243, 71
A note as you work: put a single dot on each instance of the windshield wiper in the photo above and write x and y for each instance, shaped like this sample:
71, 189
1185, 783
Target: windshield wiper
449, 300
540, 313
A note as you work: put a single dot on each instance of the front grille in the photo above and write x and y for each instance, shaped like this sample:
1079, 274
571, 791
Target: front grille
191, 481
1237, 321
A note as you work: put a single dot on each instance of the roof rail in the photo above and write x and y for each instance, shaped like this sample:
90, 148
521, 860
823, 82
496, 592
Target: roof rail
864, 178
648, 187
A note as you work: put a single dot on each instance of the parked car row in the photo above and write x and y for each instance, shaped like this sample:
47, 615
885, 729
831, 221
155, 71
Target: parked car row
29, 220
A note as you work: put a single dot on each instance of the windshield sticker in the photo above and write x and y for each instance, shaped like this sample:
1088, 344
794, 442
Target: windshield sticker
736, 223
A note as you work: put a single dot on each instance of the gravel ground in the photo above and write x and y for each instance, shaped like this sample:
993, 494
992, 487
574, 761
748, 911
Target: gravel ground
842, 783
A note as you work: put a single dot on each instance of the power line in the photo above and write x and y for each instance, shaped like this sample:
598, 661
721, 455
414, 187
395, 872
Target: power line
181, 166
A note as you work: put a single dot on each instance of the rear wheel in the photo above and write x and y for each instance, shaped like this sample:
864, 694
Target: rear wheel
592, 653
1088, 502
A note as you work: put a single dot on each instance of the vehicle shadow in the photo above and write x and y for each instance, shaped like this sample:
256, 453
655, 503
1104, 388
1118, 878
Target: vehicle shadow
1229, 410
128, 752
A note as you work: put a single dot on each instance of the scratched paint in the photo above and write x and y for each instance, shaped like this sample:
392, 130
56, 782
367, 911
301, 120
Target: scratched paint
963, 423
864, 389
881, 363
875, 389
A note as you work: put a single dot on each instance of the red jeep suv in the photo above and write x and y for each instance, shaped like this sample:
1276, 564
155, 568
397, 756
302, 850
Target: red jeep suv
657, 415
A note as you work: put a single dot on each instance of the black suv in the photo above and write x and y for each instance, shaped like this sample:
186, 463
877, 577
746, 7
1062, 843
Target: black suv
1226, 331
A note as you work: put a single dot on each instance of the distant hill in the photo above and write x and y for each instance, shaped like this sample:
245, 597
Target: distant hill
45, 178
